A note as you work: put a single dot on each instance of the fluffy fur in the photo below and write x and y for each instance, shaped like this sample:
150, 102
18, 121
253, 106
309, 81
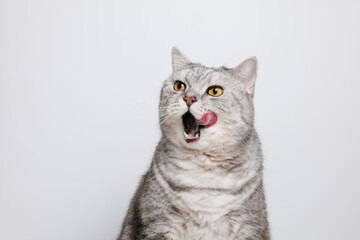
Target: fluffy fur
211, 188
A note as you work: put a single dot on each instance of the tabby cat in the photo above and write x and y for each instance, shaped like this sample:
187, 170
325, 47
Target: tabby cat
205, 179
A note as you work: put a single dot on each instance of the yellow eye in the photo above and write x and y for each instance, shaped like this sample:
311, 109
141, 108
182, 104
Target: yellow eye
179, 86
215, 91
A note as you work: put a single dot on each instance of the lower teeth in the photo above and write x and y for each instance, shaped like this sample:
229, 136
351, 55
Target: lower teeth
188, 136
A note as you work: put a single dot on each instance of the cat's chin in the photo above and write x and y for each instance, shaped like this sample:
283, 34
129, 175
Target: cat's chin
193, 127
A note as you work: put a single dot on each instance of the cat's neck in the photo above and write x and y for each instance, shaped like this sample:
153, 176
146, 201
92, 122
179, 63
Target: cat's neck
223, 171
219, 156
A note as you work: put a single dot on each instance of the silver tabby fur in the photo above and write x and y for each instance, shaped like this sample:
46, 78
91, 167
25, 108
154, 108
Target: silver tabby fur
211, 188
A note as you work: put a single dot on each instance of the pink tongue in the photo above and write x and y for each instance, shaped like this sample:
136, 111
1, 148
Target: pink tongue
208, 120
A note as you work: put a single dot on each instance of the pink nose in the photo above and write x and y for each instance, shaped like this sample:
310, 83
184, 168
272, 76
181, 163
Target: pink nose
189, 100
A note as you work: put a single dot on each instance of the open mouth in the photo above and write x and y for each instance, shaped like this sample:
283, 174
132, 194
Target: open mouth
192, 126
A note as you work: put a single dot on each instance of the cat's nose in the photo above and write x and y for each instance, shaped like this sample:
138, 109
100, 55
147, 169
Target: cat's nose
189, 100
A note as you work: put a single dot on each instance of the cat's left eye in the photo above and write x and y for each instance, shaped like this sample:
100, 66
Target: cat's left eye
179, 86
215, 91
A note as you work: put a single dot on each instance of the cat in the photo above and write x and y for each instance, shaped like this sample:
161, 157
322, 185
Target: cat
205, 179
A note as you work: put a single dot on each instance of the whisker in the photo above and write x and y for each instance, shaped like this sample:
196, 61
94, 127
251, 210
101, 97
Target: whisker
165, 117
165, 120
173, 111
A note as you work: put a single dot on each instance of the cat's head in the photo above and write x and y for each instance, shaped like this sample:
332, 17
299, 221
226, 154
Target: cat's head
204, 108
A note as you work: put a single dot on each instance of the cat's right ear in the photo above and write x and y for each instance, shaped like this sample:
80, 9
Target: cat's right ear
246, 72
179, 60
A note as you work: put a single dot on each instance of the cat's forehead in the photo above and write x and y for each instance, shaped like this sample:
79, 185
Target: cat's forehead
200, 75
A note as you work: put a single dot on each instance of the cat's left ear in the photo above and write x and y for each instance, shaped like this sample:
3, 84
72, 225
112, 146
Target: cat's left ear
246, 72
179, 60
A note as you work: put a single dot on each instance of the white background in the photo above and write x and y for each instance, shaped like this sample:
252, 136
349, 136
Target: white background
79, 89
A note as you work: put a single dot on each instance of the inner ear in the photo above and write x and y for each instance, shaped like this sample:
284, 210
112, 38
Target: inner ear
246, 72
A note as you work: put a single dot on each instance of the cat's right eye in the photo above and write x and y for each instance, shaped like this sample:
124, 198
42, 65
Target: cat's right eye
179, 86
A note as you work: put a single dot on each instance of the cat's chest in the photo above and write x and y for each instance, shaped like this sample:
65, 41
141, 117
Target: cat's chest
216, 202
198, 188
203, 197
202, 226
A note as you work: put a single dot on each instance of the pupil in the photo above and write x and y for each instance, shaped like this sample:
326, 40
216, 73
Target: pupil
215, 91
179, 86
